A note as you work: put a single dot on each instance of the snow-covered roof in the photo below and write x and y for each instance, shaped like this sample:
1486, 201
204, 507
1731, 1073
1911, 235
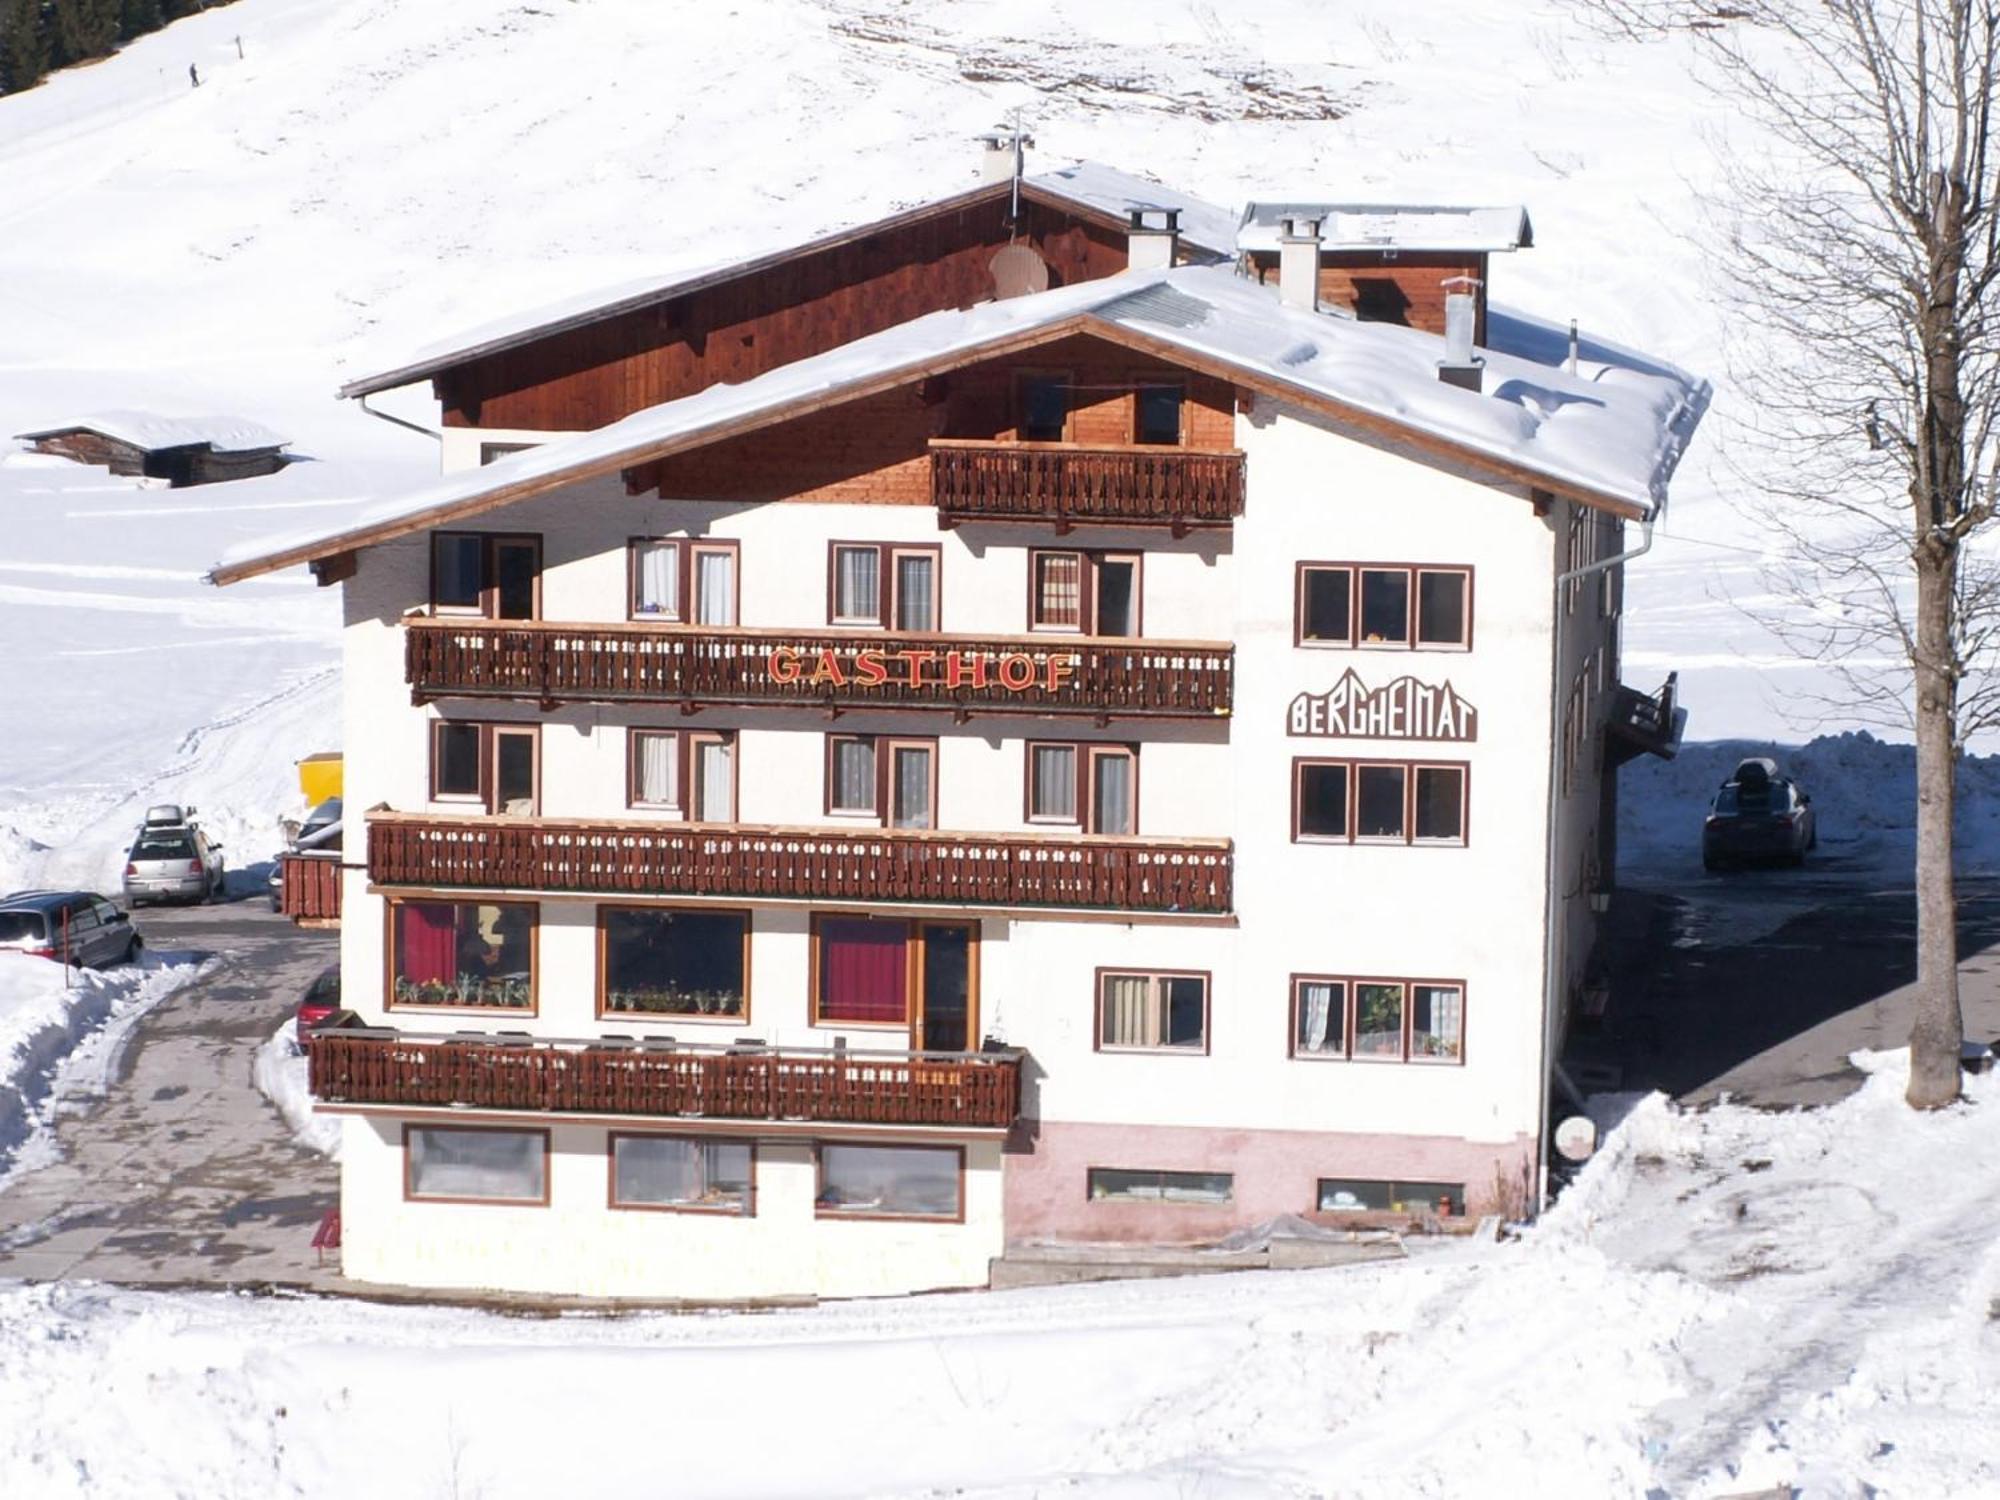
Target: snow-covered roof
1089, 186
1389, 226
1610, 434
148, 430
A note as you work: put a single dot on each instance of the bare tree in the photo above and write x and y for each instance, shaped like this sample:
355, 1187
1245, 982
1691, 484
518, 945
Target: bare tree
1862, 256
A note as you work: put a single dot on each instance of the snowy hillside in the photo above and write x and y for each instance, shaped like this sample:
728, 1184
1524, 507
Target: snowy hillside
369, 175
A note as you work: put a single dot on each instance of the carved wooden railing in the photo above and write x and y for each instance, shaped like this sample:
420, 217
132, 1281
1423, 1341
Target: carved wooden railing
978, 1090
817, 668
1065, 483
309, 889
727, 859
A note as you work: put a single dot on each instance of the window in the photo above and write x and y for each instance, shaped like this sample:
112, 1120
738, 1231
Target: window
494, 765
478, 573
1157, 414
862, 974
679, 580
688, 772
1152, 1012
918, 1182
1041, 404
891, 780
463, 1164
1381, 1195
675, 1172
1121, 1185
1095, 787
877, 584
1392, 1020
1390, 606
1378, 802
1092, 593
478, 955
668, 961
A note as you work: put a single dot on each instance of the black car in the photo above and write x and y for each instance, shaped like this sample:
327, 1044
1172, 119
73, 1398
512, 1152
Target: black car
1758, 816
74, 927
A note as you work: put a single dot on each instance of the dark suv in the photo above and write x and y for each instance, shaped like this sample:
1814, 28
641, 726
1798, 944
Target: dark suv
68, 926
1758, 815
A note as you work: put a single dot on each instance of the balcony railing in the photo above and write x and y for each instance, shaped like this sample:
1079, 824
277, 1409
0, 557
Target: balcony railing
969, 1090
309, 887
1091, 675
1645, 724
1064, 484
1184, 876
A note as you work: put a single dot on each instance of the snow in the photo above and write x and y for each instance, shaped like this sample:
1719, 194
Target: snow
1726, 1301
280, 1072
151, 430
1616, 429
1205, 225
1372, 226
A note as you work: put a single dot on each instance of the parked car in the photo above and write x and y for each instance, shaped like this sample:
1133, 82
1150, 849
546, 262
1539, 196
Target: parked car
84, 928
318, 834
1758, 815
322, 1000
172, 859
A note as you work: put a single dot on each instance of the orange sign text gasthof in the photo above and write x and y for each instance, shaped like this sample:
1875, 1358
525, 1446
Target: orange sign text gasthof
874, 666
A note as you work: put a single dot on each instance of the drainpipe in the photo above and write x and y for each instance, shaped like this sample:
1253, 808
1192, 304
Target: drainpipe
436, 437
1553, 896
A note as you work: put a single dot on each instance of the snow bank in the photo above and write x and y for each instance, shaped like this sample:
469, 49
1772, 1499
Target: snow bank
49, 1014
280, 1073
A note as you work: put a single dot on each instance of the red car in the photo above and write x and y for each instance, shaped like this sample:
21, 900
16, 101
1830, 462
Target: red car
322, 1000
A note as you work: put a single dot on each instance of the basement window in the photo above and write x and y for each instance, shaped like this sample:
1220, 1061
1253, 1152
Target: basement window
1338, 1195
1126, 1185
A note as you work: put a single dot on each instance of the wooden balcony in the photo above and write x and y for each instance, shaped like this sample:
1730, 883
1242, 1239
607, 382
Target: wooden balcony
1644, 724
1065, 484
309, 889
693, 664
1176, 876
966, 1090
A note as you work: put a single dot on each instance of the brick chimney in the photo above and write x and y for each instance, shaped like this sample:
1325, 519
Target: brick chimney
1298, 263
1153, 242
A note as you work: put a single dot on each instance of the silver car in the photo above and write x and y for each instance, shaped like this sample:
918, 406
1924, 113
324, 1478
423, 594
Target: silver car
173, 861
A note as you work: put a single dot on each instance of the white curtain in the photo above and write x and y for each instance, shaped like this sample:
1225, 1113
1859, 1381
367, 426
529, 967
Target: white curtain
1131, 1011
715, 588
1054, 791
660, 579
1111, 794
916, 593
659, 770
913, 788
857, 583
1059, 590
1317, 1031
854, 775
717, 793
1438, 1026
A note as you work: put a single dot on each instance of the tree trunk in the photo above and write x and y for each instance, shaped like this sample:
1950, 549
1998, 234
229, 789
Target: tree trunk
1938, 1028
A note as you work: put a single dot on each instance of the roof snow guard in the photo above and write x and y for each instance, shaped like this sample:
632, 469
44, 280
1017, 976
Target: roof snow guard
1390, 226
1089, 189
1609, 435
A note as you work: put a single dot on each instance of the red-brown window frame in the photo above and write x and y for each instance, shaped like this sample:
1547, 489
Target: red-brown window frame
1090, 561
885, 747
410, 1195
819, 1182
614, 1203
1085, 753
1351, 984
1410, 768
887, 594
1412, 622
684, 770
686, 549
489, 592
489, 759
389, 1000
1133, 971
603, 968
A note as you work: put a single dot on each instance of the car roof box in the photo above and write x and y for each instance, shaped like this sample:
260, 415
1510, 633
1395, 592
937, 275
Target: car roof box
1755, 771
165, 812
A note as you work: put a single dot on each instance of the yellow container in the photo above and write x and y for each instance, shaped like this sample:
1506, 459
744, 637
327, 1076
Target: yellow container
319, 777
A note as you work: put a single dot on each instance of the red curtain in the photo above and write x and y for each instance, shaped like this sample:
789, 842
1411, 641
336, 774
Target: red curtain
426, 941
862, 970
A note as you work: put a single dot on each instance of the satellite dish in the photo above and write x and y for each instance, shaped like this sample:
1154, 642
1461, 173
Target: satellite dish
1018, 271
1576, 1138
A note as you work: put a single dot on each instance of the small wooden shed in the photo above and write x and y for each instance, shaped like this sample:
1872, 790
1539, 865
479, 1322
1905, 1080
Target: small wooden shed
180, 450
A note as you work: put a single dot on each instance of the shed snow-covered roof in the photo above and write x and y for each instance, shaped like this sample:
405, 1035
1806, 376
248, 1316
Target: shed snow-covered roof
1389, 226
151, 431
1610, 435
1090, 187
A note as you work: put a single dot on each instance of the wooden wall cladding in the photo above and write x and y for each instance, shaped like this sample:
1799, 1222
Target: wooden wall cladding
876, 450
740, 328
1408, 290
